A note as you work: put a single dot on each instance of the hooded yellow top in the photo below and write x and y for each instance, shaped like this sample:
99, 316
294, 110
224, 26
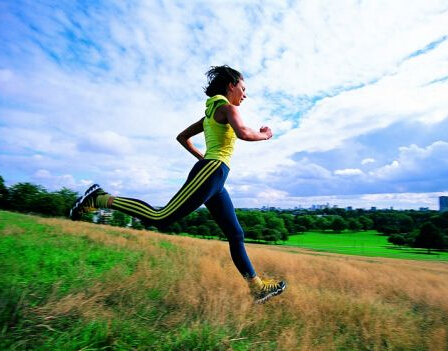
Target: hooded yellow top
219, 138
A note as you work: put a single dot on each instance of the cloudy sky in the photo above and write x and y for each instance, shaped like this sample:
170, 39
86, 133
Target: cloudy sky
356, 93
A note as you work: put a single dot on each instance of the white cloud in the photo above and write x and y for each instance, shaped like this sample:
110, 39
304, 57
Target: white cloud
348, 172
417, 163
55, 182
105, 142
101, 93
367, 161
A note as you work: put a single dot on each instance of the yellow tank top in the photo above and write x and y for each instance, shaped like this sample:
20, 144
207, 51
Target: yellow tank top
219, 138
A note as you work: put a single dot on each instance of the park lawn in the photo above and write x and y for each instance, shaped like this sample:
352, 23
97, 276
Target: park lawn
368, 243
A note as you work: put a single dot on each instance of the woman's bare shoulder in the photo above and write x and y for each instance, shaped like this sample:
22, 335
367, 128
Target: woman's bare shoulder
223, 113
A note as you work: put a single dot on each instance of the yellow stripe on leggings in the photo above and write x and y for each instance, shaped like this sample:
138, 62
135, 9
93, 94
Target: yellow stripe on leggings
191, 186
175, 203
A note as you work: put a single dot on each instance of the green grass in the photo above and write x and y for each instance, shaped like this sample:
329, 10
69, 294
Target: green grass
368, 243
38, 254
365, 243
41, 267
37, 263
77, 286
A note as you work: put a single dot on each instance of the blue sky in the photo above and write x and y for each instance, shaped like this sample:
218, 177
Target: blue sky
354, 91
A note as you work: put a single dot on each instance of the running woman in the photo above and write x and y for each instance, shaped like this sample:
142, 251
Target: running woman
221, 126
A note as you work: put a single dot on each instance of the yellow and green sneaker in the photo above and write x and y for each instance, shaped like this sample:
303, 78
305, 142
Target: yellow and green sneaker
86, 202
263, 290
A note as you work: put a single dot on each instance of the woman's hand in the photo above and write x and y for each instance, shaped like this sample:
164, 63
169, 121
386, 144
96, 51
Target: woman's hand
267, 131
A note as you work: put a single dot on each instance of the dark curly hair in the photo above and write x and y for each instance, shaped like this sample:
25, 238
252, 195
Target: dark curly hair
218, 77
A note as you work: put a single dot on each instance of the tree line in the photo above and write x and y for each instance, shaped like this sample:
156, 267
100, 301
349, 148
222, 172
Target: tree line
424, 229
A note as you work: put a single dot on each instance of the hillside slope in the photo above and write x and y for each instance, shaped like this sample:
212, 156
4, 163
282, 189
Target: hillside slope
70, 285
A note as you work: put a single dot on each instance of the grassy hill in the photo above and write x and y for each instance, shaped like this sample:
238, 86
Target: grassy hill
77, 286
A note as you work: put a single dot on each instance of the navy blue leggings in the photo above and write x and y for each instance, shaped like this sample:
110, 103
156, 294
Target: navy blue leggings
204, 185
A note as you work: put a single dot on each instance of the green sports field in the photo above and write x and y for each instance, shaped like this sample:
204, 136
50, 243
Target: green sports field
368, 243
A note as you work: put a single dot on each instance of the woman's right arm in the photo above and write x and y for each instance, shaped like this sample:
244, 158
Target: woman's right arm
233, 117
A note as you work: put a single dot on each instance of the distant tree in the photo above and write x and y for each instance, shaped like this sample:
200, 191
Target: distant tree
193, 230
354, 225
191, 220
23, 197
255, 232
338, 224
203, 230
301, 229
3, 194
304, 221
276, 227
389, 229
249, 219
445, 238
27, 197
90, 216
397, 239
430, 237
284, 236
119, 219
213, 229
183, 223
137, 224
366, 222
202, 216
405, 223
271, 235
66, 199
322, 223
341, 212
420, 217
48, 204
288, 219
394, 223
440, 220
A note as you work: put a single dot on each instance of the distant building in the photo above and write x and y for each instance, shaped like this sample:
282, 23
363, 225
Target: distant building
443, 201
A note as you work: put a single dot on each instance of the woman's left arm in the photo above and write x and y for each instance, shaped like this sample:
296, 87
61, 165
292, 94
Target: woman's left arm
184, 138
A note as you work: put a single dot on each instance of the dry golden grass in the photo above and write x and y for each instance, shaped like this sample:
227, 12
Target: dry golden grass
332, 302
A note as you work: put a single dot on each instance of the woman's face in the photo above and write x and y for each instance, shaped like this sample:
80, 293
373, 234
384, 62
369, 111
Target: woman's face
237, 93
